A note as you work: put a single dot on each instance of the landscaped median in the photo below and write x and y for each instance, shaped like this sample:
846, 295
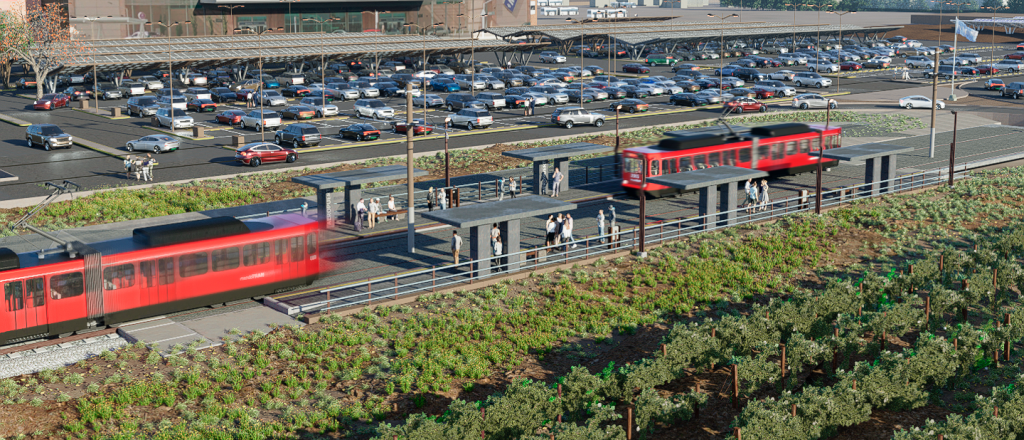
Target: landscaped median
122, 203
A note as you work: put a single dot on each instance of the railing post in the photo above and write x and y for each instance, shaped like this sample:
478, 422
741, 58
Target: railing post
520, 185
586, 175
479, 190
497, 188
588, 249
661, 235
471, 272
369, 291
396, 285
433, 278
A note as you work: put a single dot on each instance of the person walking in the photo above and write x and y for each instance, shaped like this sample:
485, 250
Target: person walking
391, 208
600, 223
137, 165
611, 211
533, 105
360, 210
442, 199
248, 99
501, 189
765, 201
456, 245
497, 254
556, 182
512, 187
551, 227
128, 166
430, 199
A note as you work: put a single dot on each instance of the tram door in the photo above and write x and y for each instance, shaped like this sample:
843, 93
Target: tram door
157, 282
290, 256
25, 302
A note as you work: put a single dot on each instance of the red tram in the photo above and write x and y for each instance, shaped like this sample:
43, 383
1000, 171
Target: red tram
782, 149
161, 269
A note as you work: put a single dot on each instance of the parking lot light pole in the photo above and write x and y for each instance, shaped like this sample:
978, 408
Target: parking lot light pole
423, 81
721, 49
817, 40
840, 52
170, 66
323, 72
289, 12
376, 43
992, 56
794, 5
935, 86
617, 157
231, 14
259, 63
952, 150
580, 21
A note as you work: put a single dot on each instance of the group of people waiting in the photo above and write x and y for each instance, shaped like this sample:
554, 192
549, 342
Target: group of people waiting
372, 211
559, 231
437, 197
757, 199
555, 182
141, 166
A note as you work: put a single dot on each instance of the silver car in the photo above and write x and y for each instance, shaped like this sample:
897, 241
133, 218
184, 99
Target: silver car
269, 120
551, 57
346, 93
540, 98
132, 88
778, 87
373, 108
812, 100
173, 118
823, 66
492, 82
782, 75
157, 143
569, 116
178, 102
151, 82
368, 92
795, 58
472, 118
714, 96
272, 98
430, 100
466, 82
318, 105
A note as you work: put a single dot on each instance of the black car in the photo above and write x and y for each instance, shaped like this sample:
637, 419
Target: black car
614, 92
223, 94
749, 75
690, 99
580, 97
360, 132
634, 92
295, 91
323, 94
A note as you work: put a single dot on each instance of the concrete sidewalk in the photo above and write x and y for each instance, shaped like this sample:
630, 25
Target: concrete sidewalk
893, 97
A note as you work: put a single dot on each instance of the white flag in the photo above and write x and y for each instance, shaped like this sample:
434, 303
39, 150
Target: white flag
966, 31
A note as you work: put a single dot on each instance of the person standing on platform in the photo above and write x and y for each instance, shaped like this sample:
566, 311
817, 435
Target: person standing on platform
497, 254
567, 232
501, 189
533, 105
391, 208
551, 227
430, 199
512, 186
765, 201
556, 182
442, 199
544, 181
371, 214
495, 233
600, 223
360, 210
456, 245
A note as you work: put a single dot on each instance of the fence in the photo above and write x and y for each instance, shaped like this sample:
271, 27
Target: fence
364, 293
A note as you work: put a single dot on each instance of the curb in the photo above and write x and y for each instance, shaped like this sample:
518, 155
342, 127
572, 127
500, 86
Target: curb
102, 116
13, 121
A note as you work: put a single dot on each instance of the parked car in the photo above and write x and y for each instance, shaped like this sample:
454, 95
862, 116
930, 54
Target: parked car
493, 101
579, 96
223, 95
630, 105
173, 118
142, 106
295, 91
257, 153
852, 66
690, 99
569, 116
298, 135
230, 117
132, 88
1014, 90
157, 143
201, 105
780, 88
78, 93
987, 69
551, 57
1010, 66
444, 85
472, 118
741, 104
48, 136
661, 60
877, 63
196, 79
51, 101
431, 101
946, 72
106, 91
918, 62
297, 112
458, 101
261, 120
320, 109
271, 98
782, 75
419, 127
360, 132
811, 100
635, 68
920, 101
808, 79
373, 108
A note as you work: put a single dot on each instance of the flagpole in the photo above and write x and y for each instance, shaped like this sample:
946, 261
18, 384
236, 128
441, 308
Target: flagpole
956, 63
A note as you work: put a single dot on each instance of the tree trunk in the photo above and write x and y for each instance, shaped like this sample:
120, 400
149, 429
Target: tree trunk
5, 73
40, 79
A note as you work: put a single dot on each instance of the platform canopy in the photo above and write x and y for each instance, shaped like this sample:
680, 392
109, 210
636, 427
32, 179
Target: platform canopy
342, 179
862, 152
483, 214
558, 151
703, 178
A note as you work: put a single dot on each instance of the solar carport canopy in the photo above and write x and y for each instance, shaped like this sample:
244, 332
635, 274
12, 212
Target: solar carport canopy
647, 33
204, 52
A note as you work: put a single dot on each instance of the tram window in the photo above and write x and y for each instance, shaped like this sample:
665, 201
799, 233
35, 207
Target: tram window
699, 162
166, 268
814, 143
148, 271
803, 146
633, 165
684, 164
714, 159
311, 244
225, 259
790, 148
253, 254
777, 151
193, 264
762, 152
744, 155
67, 285
297, 248
36, 292
279, 247
14, 296
655, 169
119, 277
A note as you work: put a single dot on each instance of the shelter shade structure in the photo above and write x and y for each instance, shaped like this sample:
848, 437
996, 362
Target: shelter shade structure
353, 182
560, 154
508, 214
879, 160
713, 183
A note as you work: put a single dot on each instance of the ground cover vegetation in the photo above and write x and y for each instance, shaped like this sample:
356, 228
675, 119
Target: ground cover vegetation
574, 352
123, 204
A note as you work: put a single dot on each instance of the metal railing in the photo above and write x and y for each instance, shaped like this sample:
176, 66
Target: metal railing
364, 293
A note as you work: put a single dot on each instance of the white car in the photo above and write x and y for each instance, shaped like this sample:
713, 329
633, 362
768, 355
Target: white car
924, 51
556, 98
920, 101
811, 79
958, 61
425, 74
368, 92
782, 75
823, 66
173, 118
1011, 66
269, 120
272, 98
318, 105
177, 102
468, 82
373, 108
551, 57
917, 62
151, 82
541, 98
795, 58
913, 43
346, 93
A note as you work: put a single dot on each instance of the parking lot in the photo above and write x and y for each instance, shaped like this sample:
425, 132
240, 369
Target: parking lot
213, 154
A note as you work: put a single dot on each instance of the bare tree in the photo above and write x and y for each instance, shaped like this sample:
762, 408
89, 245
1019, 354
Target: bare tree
40, 37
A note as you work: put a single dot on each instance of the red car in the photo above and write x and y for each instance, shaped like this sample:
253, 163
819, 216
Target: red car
635, 68
51, 101
419, 127
201, 105
762, 92
259, 152
850, 65
243, 93
1015, 56
230, 117
987, 69
742, 104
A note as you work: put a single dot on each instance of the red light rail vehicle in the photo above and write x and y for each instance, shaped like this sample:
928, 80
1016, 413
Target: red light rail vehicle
781, 149
159, 270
